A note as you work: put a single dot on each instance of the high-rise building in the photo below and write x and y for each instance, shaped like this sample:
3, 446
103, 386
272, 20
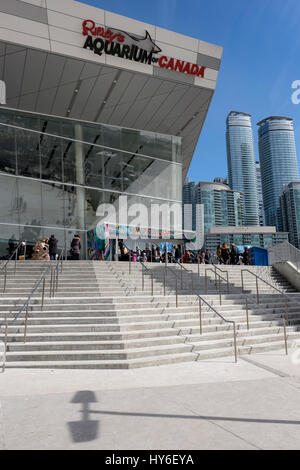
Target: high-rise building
221, 205
290, 211
188, 205
260, 195
241, 163
278, 162
220, 179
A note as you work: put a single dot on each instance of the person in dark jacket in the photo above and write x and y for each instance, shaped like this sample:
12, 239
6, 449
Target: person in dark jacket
234, 256
76, 247
52, 242
22, 251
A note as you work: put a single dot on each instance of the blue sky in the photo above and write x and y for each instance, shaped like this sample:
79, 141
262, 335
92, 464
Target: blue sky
261, 59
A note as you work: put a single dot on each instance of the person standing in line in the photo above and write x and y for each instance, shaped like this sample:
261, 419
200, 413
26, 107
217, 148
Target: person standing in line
233, 254
177, 254
225, 253
52, 247
208, 257
76, 247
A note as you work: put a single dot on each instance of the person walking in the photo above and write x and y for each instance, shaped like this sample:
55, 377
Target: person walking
225, 253
76, 247
234, 254
208, 257
22, 251
52, 247
177, 254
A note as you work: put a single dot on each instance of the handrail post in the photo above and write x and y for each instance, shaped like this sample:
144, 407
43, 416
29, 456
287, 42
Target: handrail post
142, 277
220, 295
285, 337
242, 278
257, 294
181, 277
192, 282
129, 254
151, 283
206, 282
16, 257
50, 293
43, 294
56, 278
164, 282
26, 321
5, 276
5, 344
227, 283
198, 265
286, 312
176, 293
61, 261
200, 314
53, 282
247, 316
234, 340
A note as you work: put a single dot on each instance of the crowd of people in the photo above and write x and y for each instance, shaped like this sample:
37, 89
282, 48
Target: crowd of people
231, 255
47, 249
224, 255
44, 249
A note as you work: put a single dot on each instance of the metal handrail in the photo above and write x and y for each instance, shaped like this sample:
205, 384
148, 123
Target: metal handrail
201, 299
147, 269
220, 277
285, 320
169, 267
53, 287
223, 271
4, 267
54, 273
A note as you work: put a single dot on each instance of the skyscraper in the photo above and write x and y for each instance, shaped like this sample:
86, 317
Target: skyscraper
241, 163
260, 195
290, 211
222, 206
278, 162
188, 205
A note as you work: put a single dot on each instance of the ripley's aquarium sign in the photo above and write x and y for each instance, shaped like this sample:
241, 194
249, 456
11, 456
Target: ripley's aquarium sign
118, 43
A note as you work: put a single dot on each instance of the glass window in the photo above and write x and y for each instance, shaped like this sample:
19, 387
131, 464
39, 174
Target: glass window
68, 161
51, 158
8, 159
28, 155
53, 204
30, 201
9, 207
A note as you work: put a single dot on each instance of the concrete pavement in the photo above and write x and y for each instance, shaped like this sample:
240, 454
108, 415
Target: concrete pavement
213, 404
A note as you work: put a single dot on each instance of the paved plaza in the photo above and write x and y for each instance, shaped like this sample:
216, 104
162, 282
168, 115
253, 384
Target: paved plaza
214, 404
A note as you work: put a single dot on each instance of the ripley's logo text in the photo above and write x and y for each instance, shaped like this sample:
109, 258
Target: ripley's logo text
113, 42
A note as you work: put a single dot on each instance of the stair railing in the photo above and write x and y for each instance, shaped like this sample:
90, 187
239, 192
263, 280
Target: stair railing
285, 320
145, 269
216, 275
25, 307
13, 257
201, 299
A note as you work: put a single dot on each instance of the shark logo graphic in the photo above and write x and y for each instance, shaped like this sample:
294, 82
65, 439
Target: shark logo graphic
145, 43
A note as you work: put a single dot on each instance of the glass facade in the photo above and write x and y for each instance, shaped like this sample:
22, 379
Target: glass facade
222, 206
278, 161
290, 211
241, 163
55, 172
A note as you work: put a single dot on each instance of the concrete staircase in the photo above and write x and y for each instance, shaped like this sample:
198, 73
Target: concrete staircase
101, 317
